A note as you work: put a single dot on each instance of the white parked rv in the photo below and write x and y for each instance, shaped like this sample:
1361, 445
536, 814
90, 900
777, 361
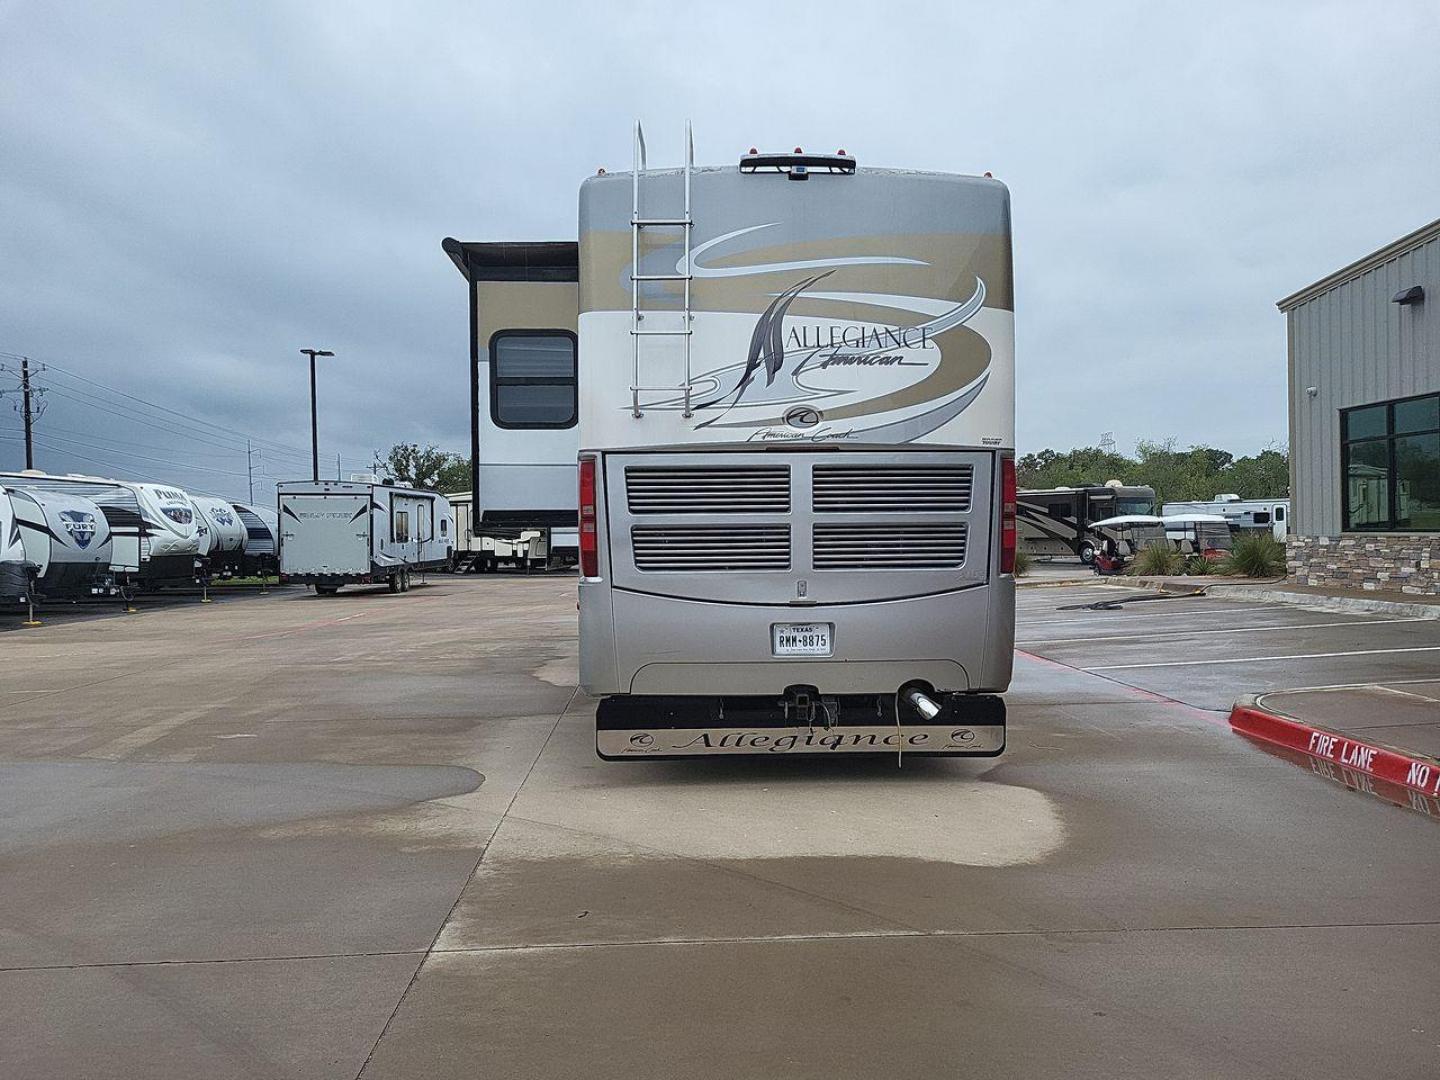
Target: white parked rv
486, 550
348, 532
14, 571
224, 533
65, 540
260, 553
797, 483
524, 310
154, 539
1257, 515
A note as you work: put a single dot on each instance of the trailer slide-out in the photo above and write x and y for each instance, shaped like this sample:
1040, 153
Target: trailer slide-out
796, 467
339, 532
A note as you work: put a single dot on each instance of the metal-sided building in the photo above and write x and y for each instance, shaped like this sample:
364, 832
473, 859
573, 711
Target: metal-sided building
1364, 375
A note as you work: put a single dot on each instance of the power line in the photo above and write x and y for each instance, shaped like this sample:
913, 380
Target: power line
127, 454
166, 409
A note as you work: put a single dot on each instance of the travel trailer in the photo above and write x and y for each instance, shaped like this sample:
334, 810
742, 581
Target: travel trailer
796, 466
1061, 521
350, 532
154, 539
14, 571
64, 541
224, 532
475, 553
524, 414
259, 554
1254, 515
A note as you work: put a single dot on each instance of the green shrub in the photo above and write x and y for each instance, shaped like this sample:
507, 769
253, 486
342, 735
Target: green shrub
1258, 555
1198, 565
1022, 562
1157, 560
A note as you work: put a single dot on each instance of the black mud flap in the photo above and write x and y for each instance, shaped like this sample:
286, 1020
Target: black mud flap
630, 728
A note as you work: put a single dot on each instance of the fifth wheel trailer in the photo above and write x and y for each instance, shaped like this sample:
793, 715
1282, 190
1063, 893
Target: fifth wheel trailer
796, 457
346, 532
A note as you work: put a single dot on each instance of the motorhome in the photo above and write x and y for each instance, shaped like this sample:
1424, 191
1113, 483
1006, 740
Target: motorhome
1061, 521
524, 413
154, 539
1249, 515
796, 464
64, 541
350, 532
259, 554
225, 534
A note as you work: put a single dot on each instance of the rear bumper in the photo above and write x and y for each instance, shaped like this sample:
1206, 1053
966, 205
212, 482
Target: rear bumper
633, 728
636, 643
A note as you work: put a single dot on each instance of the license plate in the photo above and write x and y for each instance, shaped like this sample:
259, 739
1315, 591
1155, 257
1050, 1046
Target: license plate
800, 639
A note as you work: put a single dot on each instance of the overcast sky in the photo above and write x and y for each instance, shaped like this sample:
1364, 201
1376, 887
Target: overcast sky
191, 192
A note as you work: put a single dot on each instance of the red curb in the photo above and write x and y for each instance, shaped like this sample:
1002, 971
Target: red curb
1415, 772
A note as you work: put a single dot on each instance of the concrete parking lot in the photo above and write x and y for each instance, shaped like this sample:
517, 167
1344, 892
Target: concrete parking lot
290, 836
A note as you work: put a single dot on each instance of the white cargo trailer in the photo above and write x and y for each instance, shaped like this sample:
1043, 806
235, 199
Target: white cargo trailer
796, 468
1242, 515
347, 532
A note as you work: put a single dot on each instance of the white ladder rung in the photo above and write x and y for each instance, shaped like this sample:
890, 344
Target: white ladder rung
661, 277
667, 222
662, 333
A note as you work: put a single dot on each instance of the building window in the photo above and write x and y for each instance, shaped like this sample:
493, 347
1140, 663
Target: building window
532, 379
1390, 455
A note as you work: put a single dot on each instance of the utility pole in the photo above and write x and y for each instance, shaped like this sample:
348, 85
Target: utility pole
314, 423
337, 466
30, 407
25, 411
250, 469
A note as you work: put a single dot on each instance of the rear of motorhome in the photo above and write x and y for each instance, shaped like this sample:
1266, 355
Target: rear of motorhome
154, 539
345, 532
524, 413
1061, 521
1242, 515
66, 543
796, 470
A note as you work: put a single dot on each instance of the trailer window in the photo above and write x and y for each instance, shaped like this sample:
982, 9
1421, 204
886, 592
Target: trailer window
532, 379
400, 526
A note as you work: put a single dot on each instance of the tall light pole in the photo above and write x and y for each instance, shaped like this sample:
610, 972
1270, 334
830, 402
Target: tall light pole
314, 424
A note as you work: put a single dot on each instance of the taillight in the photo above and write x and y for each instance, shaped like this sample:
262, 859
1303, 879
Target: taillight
1007, 515
589, 547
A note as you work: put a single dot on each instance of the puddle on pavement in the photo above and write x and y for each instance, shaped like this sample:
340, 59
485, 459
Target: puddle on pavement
1364, 783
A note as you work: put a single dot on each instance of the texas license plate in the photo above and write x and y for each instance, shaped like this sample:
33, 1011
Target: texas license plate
800, 639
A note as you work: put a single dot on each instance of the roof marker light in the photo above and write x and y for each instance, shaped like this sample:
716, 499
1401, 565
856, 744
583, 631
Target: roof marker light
798, 150
839, 153
753, 150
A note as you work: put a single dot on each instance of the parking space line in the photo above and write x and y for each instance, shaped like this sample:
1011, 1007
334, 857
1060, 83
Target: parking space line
1151, 615
1264, 659
1152, 635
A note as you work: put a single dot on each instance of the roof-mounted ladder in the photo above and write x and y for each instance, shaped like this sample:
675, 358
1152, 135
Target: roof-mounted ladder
638, 222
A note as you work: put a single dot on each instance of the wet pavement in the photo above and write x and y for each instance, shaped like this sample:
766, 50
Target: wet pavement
368, 836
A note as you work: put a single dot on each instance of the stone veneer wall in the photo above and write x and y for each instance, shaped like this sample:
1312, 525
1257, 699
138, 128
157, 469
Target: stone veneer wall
1396, 562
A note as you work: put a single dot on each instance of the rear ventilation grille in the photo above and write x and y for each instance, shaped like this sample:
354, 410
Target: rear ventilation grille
868, 489
708, 489
889, 547
706, 548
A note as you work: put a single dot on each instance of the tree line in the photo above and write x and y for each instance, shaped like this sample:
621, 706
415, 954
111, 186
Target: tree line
1188, 475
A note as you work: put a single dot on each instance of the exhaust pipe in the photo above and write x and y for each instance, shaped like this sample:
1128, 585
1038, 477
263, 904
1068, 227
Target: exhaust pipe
923, 703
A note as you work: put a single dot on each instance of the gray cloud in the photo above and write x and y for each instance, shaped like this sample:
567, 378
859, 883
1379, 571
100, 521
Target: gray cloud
191, 193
